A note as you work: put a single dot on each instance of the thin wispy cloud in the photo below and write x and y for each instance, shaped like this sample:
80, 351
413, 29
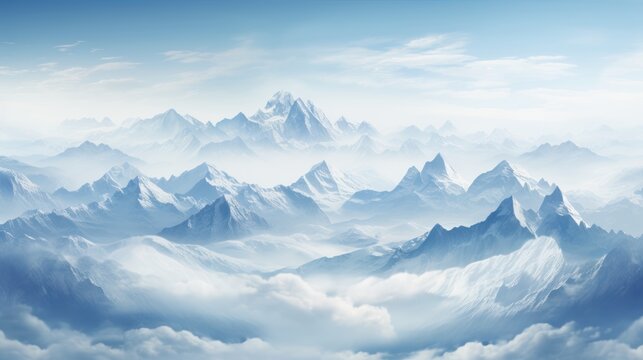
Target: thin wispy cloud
442, 58
188, 57
8, 71
67, 47
78, 73
48, 66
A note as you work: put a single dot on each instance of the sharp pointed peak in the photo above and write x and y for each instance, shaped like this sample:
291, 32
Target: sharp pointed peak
439, 158
139, 180
142, 182
509, 203
437, 166
503, 165
557, 193
205, 166
322, 165
136, 184
240, 115
557, 204
171, 112
510, 207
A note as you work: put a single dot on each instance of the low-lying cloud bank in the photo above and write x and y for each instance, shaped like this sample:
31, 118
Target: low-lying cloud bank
25, 336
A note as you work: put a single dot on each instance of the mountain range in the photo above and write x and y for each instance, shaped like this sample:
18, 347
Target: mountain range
505, 230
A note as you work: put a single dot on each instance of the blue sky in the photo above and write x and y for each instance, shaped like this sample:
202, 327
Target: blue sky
392, 63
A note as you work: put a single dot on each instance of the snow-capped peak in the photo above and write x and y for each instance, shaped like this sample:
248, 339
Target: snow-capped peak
556, 204
305, 122
122, 174
438, 168
90, 147
277, 107
204, 174
220, 220
327, 186
343, 125
505, 169
280, 102
227, 205
510, 207
146, 192
321, 166
437, 173
13, 183
319, 180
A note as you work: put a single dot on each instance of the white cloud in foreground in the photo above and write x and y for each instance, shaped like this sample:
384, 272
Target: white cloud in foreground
540, 341
145, 343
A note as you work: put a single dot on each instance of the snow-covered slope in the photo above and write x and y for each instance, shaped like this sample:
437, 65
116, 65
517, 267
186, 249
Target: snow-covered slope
437, 179
159, 128
566, 152
89, 152
151, 255
328, 186
276, 108
204, 182
435, 186
223, 219
114, 179
139, 208
347, 129
560, 220
31, 274
306, 123
281, 206
242, 127
503, 231
365, 146
623, 214
41, 225
46, 178
282, 120
235, 148
18, 194
503, 181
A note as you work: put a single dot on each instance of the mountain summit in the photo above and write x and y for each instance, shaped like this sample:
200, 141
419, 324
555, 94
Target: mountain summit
223, 219
326, 185
557, 205
306, 123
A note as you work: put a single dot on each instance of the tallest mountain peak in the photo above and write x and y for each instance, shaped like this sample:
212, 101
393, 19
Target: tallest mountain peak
282, 95
280, 103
